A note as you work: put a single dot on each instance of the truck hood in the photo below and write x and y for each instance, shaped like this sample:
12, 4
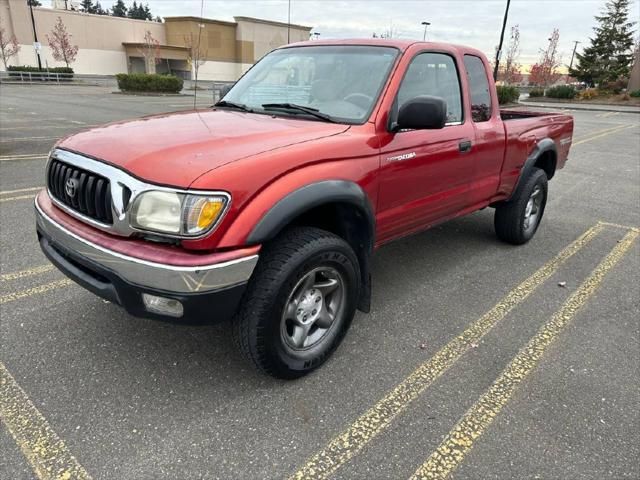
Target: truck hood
175, 149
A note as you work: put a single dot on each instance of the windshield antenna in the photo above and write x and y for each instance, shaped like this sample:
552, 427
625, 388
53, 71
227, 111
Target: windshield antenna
197, 54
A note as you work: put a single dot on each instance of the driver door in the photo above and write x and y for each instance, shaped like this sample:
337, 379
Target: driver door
425, 175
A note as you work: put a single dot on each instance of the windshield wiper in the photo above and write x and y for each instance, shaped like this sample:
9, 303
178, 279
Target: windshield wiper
239, 106
300, 108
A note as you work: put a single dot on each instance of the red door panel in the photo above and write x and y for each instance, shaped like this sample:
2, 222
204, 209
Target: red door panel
424, 177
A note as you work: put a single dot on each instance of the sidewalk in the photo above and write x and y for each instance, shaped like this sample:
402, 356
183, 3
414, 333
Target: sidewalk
583, 106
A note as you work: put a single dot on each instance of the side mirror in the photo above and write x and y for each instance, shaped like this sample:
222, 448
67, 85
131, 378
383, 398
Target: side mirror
422, 113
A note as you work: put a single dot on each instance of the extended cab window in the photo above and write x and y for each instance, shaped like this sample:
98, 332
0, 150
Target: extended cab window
479, 88
433, 74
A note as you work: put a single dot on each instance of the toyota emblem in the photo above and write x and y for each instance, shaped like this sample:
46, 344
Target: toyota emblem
71, 187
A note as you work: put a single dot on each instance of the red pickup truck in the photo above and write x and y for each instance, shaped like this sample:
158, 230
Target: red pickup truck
267, 207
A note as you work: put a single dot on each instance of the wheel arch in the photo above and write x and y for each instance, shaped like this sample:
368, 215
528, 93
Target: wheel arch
339, 206
543, 156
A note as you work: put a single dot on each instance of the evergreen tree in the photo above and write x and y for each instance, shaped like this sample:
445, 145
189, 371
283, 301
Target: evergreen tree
99, 10
610, 54
147, 12
133, 10
119, 9
34, 3
87, 6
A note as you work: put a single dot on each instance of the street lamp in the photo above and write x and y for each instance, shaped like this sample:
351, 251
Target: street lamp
36, 44
576, 42
499, 50
424, 35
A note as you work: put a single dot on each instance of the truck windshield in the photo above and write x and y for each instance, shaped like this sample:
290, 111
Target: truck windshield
330, 83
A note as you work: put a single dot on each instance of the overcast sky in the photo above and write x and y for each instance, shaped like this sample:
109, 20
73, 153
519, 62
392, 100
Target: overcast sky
472, 22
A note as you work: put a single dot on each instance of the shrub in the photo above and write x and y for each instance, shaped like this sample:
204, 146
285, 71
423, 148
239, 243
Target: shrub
561, 91
615, 87
25, 68
588, 94
149, 82
635, 94
536, 92
15, 70
507, 94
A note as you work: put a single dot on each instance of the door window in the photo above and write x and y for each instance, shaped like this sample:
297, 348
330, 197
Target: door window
433, 74
479, 87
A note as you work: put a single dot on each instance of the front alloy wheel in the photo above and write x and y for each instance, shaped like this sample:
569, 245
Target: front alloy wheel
312, 308
299, 303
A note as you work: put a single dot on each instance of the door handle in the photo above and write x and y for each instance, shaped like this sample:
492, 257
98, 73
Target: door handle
464, 146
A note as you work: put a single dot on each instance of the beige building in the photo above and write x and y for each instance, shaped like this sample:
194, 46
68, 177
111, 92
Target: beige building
110, 45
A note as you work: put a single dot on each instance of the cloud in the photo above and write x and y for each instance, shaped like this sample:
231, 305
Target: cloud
472, 22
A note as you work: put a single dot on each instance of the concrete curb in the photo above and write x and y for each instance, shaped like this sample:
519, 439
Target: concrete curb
52, 84
591, 108
151, 94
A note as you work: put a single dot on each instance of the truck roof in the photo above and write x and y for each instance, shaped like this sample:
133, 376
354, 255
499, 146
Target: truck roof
402, 45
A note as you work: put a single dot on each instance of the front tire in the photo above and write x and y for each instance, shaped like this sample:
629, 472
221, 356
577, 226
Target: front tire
517, 220
299, 303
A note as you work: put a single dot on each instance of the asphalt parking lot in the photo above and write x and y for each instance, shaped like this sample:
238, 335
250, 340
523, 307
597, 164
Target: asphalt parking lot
479, 360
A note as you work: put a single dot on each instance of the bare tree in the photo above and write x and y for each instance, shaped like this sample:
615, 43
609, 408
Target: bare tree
545, 72
391, 32
510, 71
197, 56
60, 43
8, 47
150, 51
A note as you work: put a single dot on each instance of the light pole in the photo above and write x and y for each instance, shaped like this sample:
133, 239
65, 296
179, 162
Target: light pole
499, 52
576, 42
424, 35
289, 24
35, 35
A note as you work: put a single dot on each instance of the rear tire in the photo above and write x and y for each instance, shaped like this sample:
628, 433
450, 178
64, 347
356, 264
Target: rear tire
517, 220
299, 303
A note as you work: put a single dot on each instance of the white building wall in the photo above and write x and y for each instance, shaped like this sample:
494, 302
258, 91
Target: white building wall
221, 71
88, 61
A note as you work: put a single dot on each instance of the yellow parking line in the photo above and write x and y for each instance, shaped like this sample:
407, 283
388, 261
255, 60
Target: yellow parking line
604, 130
17, 159
10, 297
6, 277
617, 225
604, 134
19, 197
44, 127
22, 155
27, 139
47, 453
342, 448
20, 190
460, 440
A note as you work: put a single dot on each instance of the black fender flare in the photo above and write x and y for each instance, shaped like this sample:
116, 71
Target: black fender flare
310, 196
543, 146
315, 195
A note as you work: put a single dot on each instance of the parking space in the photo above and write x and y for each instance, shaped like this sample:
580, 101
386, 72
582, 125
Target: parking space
478, 360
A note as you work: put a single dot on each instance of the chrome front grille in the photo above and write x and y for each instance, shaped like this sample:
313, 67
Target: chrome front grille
81, 190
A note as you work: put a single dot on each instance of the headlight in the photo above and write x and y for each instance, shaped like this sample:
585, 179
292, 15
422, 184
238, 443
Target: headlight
180, 214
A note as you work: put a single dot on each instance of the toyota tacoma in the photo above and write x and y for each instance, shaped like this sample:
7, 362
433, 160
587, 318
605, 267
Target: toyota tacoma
266, 208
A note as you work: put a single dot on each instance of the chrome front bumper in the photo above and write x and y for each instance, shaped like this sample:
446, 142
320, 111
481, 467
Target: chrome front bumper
145, 274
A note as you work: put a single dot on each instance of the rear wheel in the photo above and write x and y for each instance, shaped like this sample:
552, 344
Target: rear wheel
299, 302
517, 220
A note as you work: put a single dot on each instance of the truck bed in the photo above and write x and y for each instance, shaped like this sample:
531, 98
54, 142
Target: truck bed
524, 130
520, 114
